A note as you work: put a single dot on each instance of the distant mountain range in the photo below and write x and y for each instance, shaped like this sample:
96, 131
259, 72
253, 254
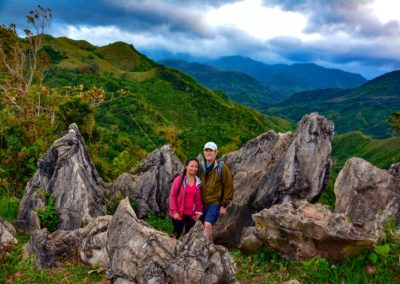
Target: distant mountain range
364, 108
284, 80
238, 86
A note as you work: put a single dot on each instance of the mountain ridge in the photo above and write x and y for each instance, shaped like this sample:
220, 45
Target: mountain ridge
285, 80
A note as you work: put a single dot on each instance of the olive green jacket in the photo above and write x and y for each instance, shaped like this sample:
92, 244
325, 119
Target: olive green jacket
216, 189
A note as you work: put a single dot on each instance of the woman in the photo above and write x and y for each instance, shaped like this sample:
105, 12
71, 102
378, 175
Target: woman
185, 205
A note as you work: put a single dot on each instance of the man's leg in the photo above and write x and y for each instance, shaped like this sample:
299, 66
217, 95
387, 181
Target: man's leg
211, 214
208, 230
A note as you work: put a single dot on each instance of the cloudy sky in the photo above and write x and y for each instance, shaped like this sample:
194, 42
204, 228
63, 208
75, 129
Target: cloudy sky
361, 36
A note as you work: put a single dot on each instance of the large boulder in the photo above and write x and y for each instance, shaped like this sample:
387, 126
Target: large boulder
7, 238
7, 233
367, 194
310, 230
151, 181
276, 168
67, 174
90, 241
141, 254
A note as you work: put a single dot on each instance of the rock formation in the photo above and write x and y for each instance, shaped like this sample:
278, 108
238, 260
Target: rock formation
90, 241
309, 230
276, 168
7, 233
66, 173
7, 238
367, 194
366, 197
140, 254
152, 181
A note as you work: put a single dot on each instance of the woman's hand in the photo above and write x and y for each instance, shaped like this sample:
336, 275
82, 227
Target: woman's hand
175, 216
196, 217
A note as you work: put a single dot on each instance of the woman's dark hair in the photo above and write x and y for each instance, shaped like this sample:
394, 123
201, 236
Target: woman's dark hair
184, 169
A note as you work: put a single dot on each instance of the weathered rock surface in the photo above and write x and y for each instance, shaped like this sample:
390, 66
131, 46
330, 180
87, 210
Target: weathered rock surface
367, 194
250, 243
68, 174
152, 181
310, 230
90, 241
7, 233
140, 254
395, 169
275, 168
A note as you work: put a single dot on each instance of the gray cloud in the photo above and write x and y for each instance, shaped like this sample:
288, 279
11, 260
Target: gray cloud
178, 27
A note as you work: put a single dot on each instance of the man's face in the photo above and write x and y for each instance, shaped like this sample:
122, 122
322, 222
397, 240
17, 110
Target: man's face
210, 155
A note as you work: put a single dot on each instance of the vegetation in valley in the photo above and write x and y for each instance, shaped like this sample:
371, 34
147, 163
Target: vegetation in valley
365, 108
239, 87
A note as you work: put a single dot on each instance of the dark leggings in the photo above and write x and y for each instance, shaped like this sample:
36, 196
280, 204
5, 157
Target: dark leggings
186, 223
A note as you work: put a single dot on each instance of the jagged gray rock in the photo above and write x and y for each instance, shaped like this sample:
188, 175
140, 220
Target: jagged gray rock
367, 194
250, 243
310, 230
68, 174
152, 181
7, 233
276, 168
90, 241
395, 169
140, 254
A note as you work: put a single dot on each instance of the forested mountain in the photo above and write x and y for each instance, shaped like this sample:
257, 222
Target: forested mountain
284, 80
238, 86
365, 108
160, 105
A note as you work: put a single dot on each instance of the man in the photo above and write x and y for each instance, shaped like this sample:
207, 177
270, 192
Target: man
217, 187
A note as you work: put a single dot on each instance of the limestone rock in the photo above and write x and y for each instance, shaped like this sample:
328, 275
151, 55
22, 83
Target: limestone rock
123, 184
250, 167
68, 174
250, 243
7, 233
303, 171
311, 230
152, 180
275, 168
140, 254
90, 241
395, 169
367, 194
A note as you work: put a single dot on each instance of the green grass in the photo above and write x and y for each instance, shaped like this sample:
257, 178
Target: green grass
16, 269
9, 207
268, 267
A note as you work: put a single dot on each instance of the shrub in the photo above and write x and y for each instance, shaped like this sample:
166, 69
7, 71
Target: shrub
49, 217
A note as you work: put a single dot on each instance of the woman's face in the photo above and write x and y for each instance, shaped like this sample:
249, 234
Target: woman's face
192, 167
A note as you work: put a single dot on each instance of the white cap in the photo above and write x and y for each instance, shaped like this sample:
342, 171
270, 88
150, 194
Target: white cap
211, 145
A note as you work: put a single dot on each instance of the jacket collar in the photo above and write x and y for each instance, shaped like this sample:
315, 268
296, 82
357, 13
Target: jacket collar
197, 181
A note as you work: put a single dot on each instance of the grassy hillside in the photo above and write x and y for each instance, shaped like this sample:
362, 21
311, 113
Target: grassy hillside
238, 86
365, 108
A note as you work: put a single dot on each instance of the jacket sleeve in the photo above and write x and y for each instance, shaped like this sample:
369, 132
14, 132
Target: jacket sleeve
227, 182
199, 204
173, 196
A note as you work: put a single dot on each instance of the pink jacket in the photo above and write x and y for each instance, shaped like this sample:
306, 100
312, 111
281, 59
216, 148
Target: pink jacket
177, 198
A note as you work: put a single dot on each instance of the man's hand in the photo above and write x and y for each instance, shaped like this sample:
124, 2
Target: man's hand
222, 211
175, 216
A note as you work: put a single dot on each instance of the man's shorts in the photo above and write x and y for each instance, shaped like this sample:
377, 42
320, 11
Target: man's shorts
211, 213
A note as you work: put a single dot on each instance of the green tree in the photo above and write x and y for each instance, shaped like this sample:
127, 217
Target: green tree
394, 122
